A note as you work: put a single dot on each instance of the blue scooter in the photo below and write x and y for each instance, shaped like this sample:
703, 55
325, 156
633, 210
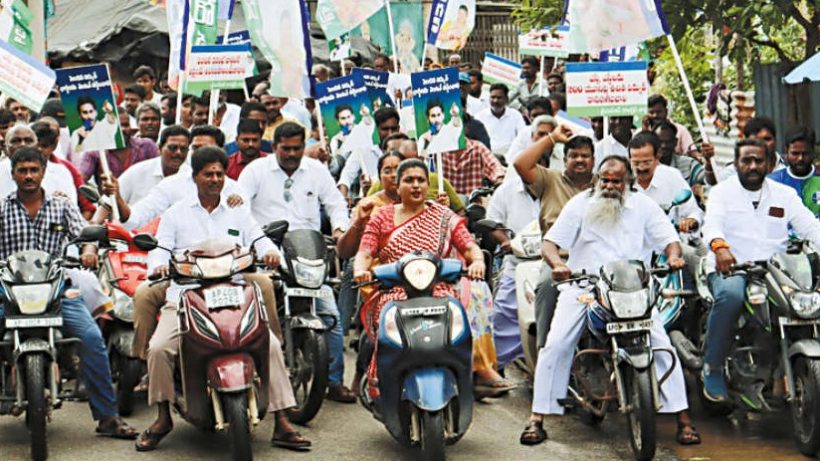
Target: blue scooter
424, 357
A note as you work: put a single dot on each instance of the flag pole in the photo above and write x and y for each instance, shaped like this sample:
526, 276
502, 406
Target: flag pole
183, 71
692, 104
541, 77
392, 36
440, 172
607, 146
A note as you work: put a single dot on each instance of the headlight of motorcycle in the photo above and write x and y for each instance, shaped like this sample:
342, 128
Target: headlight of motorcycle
309, 273
420, 273
457, 324
805, 304
216, 268
391, 327
123, 305
32, 299
629, 305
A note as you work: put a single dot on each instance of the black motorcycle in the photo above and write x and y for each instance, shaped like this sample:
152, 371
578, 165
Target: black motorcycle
299, 281
32, 347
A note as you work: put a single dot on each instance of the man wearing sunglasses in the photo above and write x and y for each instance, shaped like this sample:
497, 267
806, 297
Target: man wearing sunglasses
289, 186
138, 180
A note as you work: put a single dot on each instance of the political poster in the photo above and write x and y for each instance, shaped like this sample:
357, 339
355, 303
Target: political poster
90, 108
400, 90
15, 20
376, 83
606, 89
451, 23
347, 114
235, 38
218, 67
339, 47
496, 69
337, 17
280, 31
204, 22
439, 115
408, 20
24, 78
603, 25
549, 41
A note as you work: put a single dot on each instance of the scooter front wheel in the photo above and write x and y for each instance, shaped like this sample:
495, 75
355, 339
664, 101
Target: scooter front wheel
309, 374
432, 435
235, 408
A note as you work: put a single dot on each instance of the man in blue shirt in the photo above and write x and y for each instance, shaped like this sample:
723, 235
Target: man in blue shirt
800, 157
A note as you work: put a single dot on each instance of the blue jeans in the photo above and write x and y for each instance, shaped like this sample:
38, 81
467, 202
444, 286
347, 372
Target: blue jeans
94, 366
729, 294
326, 308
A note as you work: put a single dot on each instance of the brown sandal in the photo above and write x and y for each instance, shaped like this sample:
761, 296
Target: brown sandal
148, 441
533, 434
290, 440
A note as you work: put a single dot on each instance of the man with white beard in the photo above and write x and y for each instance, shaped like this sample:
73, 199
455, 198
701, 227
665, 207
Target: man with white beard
610, 223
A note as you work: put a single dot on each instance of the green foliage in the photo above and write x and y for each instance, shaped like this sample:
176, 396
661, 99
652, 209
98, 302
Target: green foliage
534, 14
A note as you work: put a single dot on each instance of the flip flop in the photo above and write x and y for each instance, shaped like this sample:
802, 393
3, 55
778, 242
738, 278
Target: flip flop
289, 440
121, 430
148, 441
496, 387
533, 434
687, 435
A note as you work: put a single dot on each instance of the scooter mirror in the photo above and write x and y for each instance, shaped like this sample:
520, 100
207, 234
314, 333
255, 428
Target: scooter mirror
145, 242
682, 197
90, 193
93, 234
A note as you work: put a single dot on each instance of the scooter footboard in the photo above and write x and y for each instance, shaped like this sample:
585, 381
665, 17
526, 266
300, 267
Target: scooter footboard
430, 389
231, 373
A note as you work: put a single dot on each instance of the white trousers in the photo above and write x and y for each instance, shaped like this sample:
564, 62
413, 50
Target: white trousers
555, 359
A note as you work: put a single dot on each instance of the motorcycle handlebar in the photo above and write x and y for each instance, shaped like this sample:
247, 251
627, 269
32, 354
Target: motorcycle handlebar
578, 277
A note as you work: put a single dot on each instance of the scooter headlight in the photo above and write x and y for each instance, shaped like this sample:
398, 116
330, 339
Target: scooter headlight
805, 304
391, 327
309, 273
216, 268
629, 305
457, 324
32, 299
420, 273
123, 305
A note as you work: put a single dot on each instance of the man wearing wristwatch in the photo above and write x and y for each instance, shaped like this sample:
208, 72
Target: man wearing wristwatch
747, 219
295, 188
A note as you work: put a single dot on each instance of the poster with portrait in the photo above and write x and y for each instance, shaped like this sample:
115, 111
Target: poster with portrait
607, 24
451, 23
347, 114
408, 21
90, 108
439, 115
400, 90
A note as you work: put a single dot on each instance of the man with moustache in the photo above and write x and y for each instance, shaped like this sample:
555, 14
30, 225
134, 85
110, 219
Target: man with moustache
747, 219
138, 180
609, 223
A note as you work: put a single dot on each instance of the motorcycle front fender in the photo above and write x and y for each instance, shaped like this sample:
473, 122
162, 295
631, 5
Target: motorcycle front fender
430, 389
231, 373
122, 342
637, 359
805, 347
307, 322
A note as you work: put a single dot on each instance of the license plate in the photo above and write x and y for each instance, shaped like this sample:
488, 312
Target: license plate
785, 321
626, 327
423, 311
324, 292
135, 259
34, 322
218, 297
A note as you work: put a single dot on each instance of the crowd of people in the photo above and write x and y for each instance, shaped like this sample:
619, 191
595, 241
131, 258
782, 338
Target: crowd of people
597, 198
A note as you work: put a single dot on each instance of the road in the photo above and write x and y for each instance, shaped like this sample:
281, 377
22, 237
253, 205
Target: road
348, 432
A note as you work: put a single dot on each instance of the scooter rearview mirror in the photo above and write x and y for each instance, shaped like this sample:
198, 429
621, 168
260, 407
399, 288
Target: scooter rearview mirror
93, 233
90, 193
145, 242
682, 197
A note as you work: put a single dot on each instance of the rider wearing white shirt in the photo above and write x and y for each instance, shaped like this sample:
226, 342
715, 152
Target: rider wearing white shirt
502, 124
292, 187
137, 181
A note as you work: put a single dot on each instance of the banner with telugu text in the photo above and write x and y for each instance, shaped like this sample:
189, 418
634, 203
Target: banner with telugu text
606, 89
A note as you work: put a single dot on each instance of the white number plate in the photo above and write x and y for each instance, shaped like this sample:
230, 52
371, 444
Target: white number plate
224, 296
35, 322
324, 292
424, 311
785, 321
135, 259
626, 327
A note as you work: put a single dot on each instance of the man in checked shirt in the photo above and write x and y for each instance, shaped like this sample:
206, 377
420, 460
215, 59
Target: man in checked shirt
31, 219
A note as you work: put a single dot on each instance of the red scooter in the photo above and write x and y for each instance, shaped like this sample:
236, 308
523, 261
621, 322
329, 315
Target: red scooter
123, 267
224, 339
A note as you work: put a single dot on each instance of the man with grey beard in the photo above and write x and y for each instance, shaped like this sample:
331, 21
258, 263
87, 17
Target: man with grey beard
610, 223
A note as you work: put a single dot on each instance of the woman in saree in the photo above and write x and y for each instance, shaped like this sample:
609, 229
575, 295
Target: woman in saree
419, 224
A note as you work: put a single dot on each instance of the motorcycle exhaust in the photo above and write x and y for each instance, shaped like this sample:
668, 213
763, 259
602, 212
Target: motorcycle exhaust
687, 351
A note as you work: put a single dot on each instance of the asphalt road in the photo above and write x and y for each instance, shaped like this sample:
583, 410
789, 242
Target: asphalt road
348, 432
